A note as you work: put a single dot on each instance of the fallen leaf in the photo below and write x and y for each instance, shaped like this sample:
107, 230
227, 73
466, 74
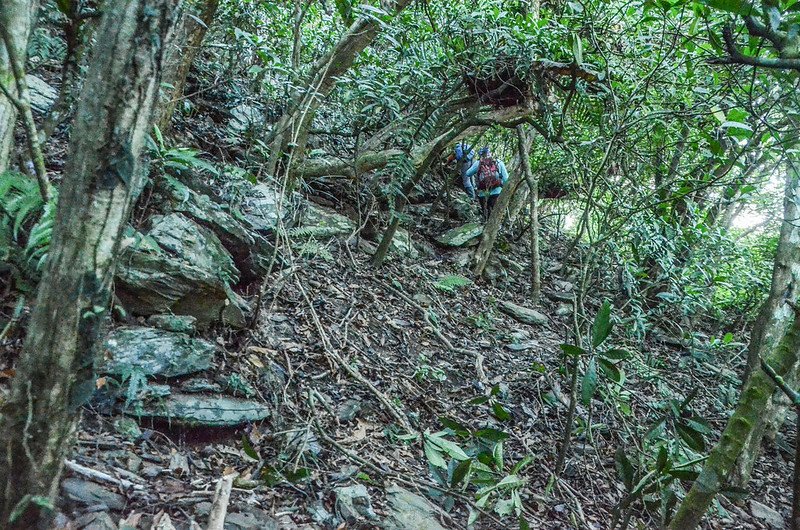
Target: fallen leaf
359, 434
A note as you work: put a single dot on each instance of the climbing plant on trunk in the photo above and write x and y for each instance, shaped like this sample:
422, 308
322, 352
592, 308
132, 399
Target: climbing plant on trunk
104, 174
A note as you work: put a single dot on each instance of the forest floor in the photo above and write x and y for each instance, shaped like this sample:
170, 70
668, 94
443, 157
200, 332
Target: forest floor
328, 431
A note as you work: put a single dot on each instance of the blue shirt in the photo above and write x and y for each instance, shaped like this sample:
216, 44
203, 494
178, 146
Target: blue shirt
464, 151
501, 168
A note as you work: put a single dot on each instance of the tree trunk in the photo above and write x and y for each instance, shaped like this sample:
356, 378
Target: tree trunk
492, 227
190, 30
533, 195
433, 150
104, 174
290, 133
17, 16
776, 338
773, 320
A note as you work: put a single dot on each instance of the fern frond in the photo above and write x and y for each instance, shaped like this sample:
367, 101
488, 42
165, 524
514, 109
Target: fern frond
449, 283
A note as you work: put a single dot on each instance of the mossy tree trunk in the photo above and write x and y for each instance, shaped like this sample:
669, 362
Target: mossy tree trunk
533, 197
776, 338
17, 16
103, 176
773, 320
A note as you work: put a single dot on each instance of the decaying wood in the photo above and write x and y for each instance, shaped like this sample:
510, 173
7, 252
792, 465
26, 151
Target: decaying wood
222, 497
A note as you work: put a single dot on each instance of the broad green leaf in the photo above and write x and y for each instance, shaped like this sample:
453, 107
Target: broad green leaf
499, 412
616, 354
589, 383
497, 455
571, 349
611, 370
248, 449
662, 460
624, 468
736, 125
454, 426
460, 472
519, 466
492, 435
693, 439
434, 455
602, 324
447, 446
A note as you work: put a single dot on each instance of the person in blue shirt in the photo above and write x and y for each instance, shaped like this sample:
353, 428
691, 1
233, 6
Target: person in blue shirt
490, 176
463, 155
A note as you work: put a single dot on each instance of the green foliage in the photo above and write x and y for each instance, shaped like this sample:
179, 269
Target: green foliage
26, 227
177, 159
464, 459
425, 371
600, 359
450, 283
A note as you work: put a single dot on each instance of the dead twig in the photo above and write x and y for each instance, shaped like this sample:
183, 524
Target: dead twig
222, 496
334, 355
100, 476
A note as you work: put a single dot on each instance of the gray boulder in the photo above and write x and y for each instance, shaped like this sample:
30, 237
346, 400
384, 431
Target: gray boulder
182, 268
247, 243
319, 222
402, 245
155, 352
767, 515
250, 519
90, 493
354, 505
176, 323
523, 314
185, 239
244, 117
204, 411
409, 511
42, 96
466, 235
265, 208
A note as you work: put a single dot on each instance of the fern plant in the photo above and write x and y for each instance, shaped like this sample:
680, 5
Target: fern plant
176, 158
26, 227
450, 283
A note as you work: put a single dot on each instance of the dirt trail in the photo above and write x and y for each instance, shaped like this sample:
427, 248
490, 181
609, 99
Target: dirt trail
439, 355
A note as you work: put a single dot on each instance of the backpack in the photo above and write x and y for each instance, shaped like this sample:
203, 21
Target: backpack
488, 176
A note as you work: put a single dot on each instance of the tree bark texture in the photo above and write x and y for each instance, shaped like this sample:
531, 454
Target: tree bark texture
533, 197
776, 338
103, 176
17, 16
773, 320
190, 30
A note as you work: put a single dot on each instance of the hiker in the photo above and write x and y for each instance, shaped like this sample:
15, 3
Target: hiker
463, 155
490, 176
